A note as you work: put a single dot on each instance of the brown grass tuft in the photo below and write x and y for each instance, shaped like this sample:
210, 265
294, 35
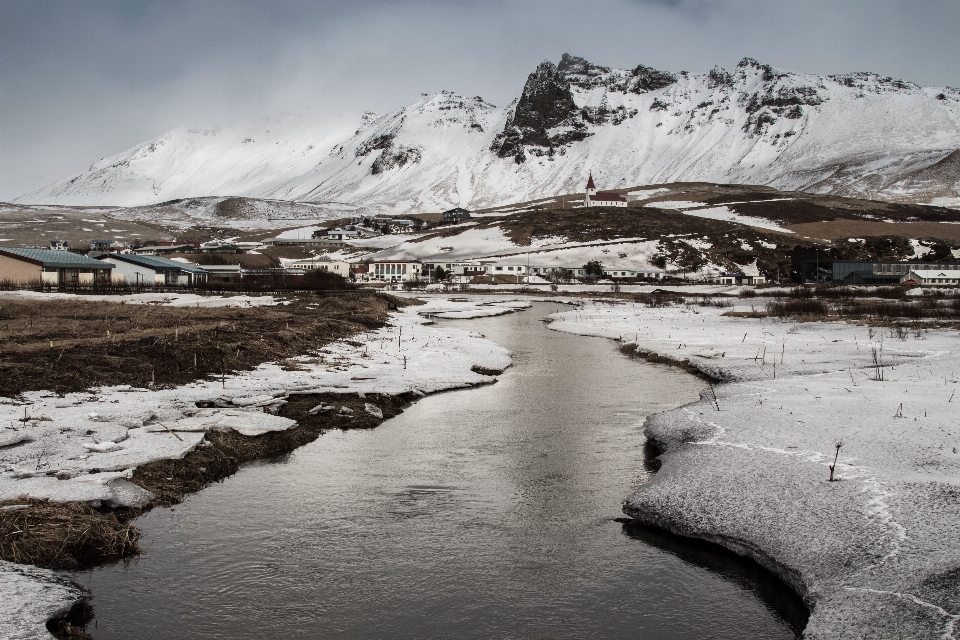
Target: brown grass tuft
63, 535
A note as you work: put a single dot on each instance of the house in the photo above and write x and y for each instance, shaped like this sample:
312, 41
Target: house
323, 263
154, 270
456, 215
619, 273
60, 245
50, 266
343, 234
395, 270
215, 246
222, 272
739, 278
456, 268
933, 277
359, 271
594, 198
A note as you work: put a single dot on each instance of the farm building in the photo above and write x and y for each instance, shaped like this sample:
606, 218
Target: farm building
456, 215
24, 266
154, 270
739, 278
933, 277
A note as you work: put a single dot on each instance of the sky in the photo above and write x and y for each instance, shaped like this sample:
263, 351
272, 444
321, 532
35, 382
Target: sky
85, 79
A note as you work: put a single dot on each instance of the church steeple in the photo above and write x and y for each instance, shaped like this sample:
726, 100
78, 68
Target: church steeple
591, 191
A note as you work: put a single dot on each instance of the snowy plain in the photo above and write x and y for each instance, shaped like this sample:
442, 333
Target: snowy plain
84, 446
875, 553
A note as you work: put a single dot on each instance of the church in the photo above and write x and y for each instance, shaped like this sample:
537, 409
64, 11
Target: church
594, 198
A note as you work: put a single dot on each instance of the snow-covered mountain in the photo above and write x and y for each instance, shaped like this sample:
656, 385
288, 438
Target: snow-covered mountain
858, 134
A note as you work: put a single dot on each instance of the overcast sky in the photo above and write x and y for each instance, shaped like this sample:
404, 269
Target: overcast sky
83, 79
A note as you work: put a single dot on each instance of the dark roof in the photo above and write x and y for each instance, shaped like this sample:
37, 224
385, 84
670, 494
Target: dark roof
608, 196
590, 184
53, 258
154, 262
456, 210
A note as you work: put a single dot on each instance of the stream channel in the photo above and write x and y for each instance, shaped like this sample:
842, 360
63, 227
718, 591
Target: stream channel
478, 513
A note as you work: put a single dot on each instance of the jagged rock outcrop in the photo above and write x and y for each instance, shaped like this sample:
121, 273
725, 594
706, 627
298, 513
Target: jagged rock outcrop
546, 103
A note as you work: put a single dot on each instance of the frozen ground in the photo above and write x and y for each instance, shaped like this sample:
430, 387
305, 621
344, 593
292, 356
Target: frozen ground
875, 554
84, 446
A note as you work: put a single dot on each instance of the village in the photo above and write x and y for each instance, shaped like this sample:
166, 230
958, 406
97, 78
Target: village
381, 250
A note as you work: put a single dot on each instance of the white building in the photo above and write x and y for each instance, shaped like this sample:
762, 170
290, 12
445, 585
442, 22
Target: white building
933, 277
395, 270
594, 198
323, 263
153, 270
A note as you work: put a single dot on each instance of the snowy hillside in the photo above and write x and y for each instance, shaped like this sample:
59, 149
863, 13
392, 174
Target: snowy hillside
858, 135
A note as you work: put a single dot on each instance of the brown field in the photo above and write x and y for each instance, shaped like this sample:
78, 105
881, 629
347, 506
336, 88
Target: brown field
64, 345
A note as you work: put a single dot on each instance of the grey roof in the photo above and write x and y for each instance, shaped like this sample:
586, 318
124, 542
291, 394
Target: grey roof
57, 259
154, 262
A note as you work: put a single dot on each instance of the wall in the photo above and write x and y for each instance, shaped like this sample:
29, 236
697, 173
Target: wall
15, 270
131, 273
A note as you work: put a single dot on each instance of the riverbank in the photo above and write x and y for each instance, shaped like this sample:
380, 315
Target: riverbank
109, 447
872, 553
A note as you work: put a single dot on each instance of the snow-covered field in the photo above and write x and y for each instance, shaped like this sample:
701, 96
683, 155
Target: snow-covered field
876, 553
84, 446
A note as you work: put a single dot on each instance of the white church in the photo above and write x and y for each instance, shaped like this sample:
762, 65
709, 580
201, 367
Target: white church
594, 198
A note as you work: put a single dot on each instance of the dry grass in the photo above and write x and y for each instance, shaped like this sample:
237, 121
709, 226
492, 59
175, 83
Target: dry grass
885, 311
109, 343
63, 535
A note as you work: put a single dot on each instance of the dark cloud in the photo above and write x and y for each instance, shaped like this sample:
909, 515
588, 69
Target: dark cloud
82, 80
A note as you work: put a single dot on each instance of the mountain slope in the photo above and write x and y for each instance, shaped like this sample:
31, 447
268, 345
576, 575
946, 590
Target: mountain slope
858, 135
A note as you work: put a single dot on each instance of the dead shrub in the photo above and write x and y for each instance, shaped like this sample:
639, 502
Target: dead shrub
802, 307
63, 535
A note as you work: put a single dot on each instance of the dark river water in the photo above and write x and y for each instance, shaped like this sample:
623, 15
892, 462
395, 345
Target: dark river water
480, 513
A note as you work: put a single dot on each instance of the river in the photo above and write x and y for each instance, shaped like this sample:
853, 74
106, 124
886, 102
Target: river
478, 513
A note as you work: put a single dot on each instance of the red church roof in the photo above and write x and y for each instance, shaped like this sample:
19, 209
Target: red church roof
590, 184
607, 196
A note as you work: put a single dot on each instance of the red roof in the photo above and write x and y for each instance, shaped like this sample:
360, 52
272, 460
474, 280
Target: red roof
608, 196
590, 184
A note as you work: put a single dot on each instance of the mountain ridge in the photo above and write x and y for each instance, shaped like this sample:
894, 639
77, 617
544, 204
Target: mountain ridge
859, 135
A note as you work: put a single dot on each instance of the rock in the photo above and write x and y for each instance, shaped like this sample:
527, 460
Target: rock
317, 409
373, 410
346, 410
111, 432
101, 447
126, 494
10, 438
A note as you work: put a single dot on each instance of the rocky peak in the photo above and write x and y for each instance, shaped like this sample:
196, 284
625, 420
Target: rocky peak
546, 103
644, 79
